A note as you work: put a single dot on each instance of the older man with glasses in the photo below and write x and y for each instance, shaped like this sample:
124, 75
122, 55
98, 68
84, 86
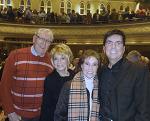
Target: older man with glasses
124, 87
23, 78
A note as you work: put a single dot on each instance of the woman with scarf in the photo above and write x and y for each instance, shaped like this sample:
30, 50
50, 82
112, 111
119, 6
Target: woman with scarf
78, 100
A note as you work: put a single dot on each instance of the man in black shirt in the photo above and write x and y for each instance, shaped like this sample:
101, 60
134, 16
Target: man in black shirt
124, 88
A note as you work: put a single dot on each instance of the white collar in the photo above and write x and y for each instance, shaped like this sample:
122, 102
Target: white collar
33, 51
89, 83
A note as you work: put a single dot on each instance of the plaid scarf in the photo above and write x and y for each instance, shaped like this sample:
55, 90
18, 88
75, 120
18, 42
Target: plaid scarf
78, 107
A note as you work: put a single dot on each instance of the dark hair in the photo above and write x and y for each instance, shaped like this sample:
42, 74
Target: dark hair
89, 53
112, 32
86, 54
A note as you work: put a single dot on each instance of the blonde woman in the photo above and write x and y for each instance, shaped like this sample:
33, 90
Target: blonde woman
61, 56
78, 100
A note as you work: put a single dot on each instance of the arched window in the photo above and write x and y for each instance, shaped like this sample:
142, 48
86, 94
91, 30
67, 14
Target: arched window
69, 6
62, 6
2, 4
8, 3
42, 5
28, 3
88, 7
121, 8
102, 8
82, 8
127, 9
2, 1
108, 7
22, 6
49, 6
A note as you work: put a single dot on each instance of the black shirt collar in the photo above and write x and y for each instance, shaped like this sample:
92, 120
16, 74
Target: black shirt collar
117, 65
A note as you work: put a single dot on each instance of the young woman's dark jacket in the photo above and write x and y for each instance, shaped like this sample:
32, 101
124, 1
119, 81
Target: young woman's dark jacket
52, 87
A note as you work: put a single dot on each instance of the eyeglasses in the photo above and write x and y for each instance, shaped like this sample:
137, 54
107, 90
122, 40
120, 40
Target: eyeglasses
117, 43
43, 39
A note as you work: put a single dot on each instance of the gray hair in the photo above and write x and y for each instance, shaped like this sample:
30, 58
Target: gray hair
45, 31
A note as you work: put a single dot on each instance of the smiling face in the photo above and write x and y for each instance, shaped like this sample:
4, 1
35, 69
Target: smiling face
89, 67
60, 62
42, 40
114, 48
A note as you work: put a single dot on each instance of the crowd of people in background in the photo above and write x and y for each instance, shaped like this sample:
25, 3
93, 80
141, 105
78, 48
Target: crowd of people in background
18, 15
136, 57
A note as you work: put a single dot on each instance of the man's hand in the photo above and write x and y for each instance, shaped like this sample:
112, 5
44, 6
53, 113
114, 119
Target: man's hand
14, 117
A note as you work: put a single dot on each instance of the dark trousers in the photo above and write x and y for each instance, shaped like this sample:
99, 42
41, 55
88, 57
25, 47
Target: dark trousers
30, 119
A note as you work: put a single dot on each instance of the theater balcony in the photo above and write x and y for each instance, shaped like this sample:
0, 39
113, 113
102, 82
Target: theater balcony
77, 36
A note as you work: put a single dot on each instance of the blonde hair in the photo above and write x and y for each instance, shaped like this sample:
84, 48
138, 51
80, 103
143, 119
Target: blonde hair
45, 31
62, 49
